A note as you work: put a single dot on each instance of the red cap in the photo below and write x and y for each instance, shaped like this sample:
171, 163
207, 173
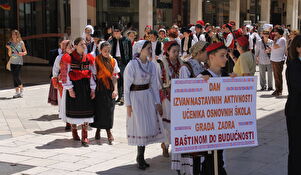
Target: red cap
148, 26
214, 46
226, 26
242, 41
232, 22
167, 45
200, 22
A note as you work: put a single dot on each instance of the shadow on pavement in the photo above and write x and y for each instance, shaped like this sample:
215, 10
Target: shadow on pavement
59, 129
269, 157
47, 118
6, 98
61, 144
12, 168
266, 96
156, 163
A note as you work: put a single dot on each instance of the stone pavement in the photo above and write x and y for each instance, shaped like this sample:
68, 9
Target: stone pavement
33, 141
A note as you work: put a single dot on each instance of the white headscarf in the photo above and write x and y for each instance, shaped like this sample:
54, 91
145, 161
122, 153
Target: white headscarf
267, 26
91, 28
138, 47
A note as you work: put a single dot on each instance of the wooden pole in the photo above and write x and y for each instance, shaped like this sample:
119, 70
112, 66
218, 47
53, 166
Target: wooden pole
215, 162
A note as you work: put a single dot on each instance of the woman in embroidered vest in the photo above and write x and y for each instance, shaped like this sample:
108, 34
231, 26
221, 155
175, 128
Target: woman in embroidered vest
142, 100
106, 91
56, 79
79, 85
196, 64
168, 69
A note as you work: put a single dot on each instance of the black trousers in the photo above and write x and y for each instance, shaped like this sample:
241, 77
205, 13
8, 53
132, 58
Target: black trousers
16, 70
294, 146
121, 66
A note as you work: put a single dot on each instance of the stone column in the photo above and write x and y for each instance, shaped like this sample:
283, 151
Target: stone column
265, 11
292, 13
196, 10
78, 12
91, 11
235, 11
145, 15
248, 9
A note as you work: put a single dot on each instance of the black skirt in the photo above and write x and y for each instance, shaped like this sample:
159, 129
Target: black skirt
82, 105
104, 107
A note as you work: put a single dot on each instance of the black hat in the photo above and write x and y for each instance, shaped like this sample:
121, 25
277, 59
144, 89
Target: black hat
117, 27
184, 29
97, 34
199, 26
154, 32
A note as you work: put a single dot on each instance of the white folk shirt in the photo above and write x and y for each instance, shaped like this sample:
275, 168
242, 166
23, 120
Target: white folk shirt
197, 68
118, 54
229, 39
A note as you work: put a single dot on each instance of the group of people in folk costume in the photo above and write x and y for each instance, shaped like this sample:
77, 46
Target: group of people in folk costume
90, 75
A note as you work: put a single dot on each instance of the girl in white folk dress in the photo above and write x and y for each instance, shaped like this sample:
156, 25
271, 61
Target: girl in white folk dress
142, 101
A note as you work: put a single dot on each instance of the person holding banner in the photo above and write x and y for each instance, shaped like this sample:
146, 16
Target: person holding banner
142, 101
190, 163
217, 59
292, 107
168, 69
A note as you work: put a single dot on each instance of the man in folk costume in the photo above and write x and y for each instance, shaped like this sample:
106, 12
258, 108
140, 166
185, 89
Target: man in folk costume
199, 36
229, 42
186, 43
141, 95
157, 46
122, 52
97, 38
169, 69
77, 78
236, 32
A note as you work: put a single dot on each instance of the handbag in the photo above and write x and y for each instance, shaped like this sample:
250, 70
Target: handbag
8, 67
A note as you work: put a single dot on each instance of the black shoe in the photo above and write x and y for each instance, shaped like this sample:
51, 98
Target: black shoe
274, 93
263, 89
270, 89
140, 158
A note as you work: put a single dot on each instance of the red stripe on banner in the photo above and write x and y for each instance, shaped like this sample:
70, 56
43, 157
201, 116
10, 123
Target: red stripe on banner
44, 35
